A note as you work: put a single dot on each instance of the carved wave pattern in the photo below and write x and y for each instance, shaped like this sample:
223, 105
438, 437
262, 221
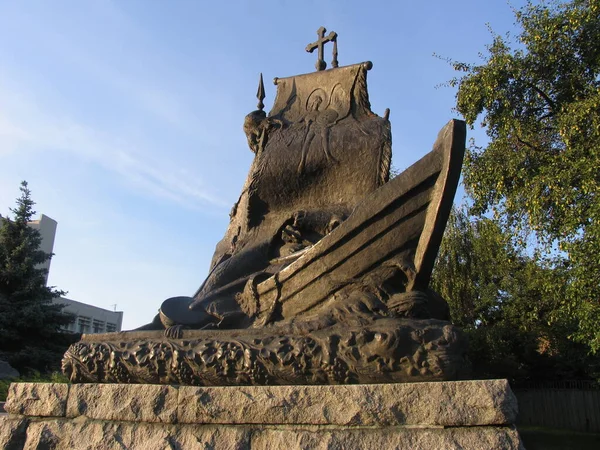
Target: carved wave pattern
412, 350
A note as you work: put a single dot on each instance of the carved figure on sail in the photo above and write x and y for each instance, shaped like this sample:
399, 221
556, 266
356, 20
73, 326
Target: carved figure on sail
319, 119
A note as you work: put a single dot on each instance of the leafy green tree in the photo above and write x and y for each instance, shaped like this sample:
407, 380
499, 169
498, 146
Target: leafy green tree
495, 291
30, 336
539, 101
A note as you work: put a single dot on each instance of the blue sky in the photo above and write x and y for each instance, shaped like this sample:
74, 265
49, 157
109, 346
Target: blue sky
125, 117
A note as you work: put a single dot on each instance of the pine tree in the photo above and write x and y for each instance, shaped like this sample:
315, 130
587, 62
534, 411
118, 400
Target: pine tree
30, 335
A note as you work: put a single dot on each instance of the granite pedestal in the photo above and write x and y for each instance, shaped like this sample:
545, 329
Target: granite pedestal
436, 415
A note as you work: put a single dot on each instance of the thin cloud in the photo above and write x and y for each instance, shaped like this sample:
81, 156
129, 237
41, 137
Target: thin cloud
30, 128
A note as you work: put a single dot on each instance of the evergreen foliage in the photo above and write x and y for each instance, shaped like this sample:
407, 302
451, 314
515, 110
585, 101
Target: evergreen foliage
30, 336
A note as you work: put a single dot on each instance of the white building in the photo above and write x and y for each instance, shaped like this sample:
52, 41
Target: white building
88, 319
47, 228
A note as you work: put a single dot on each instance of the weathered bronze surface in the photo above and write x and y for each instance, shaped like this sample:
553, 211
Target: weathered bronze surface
260, 94
319, 44
318, 154
387, 350
322, 275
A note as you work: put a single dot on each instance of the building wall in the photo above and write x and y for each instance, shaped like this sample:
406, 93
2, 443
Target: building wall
90, 319
47, 228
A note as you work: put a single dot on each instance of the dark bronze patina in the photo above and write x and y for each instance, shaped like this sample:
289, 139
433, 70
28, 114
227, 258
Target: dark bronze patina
319, 44
260, 94
322, 275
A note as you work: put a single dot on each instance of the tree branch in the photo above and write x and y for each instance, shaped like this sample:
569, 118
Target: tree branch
544, 96
528, 145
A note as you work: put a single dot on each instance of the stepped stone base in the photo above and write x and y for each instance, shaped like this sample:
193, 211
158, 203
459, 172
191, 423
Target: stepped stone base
436, 415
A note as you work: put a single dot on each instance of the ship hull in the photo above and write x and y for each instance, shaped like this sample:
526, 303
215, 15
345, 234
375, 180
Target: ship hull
403, 220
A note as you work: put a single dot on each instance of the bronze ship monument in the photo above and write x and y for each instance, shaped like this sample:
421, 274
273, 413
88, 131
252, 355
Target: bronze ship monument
322, 275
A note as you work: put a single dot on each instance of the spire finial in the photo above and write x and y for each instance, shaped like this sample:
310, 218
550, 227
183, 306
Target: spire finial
260, 94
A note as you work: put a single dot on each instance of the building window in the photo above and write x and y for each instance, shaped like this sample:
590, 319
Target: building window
110, 327
98, 326
71, 325
83, 324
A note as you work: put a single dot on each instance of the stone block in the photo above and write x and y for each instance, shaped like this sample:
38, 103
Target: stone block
82, 433
7, 371
468, 415
396, 438
37, 399
129, 402
12, 432
462, 403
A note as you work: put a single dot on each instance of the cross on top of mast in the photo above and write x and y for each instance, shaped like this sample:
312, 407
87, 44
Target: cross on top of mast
319, 44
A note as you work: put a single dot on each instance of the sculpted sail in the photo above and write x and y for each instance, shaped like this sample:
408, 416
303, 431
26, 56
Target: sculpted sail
321, 153
322, 274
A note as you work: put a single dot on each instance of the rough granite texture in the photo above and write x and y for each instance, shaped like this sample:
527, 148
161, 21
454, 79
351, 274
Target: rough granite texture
37, 399
400, 438
130, 402
446, 415
12, 432
82, 433
460, 403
